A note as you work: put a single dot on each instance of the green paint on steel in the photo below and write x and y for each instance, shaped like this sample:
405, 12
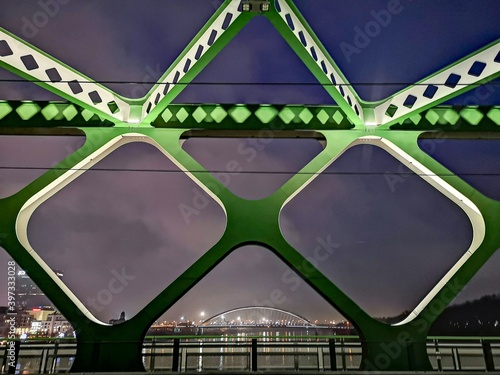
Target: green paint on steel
254, 222
218, 114
5, 109
70, 112
494, 115
199, 114
266, 114
119, 348
27, 110
287, 115
472, 115
239, 113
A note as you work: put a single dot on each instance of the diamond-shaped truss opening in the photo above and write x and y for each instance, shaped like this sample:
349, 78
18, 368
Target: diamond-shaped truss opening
477, 68
250, 276
289, 21
227, 21
418, 230
391, 110
149, 218
302, 38
497, 58
29, 62
5, 49
473, 312
75, 87
20, 167
452, 80
95, 97
410, 101
430, 91
113, 107
53, 75
475, 161
241, 62
314, 54
253, 168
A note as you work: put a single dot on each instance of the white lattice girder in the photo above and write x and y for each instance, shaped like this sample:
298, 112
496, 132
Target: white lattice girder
191, 57
322, 58
437, 84
49, 72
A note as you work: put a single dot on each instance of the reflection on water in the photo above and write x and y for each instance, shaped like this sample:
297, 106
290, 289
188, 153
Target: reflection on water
277, 349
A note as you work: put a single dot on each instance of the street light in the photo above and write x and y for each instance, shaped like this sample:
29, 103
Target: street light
255, 6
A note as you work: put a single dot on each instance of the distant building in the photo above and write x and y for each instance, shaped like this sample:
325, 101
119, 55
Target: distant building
29, 295
118, 321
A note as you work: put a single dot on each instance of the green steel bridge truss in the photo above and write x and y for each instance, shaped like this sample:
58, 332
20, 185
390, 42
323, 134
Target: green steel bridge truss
109, 121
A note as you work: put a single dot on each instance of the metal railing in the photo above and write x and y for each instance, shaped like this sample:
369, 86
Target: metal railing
257, 354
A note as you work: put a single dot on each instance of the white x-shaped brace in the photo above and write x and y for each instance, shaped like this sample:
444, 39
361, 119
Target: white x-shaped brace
35, 65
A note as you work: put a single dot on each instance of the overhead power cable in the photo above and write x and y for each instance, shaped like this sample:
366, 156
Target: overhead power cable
350, 84
142, 170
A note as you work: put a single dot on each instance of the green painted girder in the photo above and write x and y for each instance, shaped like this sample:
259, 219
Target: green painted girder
235, 117
466, 74
301, 38
249, 222
396, 129
29, 62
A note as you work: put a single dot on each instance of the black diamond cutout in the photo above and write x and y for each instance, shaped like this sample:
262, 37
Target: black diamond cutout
349, 100
323, 66
5, 49
332, 78
452, 80
278, 6
289, 21
227, 21
341, 89
391, 110
497, 58
113, 107
29, 62
477, 68
165, 89
149, 107
302, 38
75, 87
212, 37
157, 99
314, 54
199, 52
176, 78
430, 91
95, 97
53, 75
356, 109
410, 101
187, 65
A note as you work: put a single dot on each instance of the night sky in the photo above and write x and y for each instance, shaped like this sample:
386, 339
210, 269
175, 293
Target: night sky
392, 243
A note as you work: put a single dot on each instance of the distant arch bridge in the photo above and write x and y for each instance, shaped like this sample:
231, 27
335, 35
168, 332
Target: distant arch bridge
254, 316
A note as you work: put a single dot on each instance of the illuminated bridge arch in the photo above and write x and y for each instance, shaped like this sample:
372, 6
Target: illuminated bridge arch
257, 316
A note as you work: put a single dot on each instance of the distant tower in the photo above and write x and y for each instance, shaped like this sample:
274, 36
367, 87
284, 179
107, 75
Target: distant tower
29, 295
